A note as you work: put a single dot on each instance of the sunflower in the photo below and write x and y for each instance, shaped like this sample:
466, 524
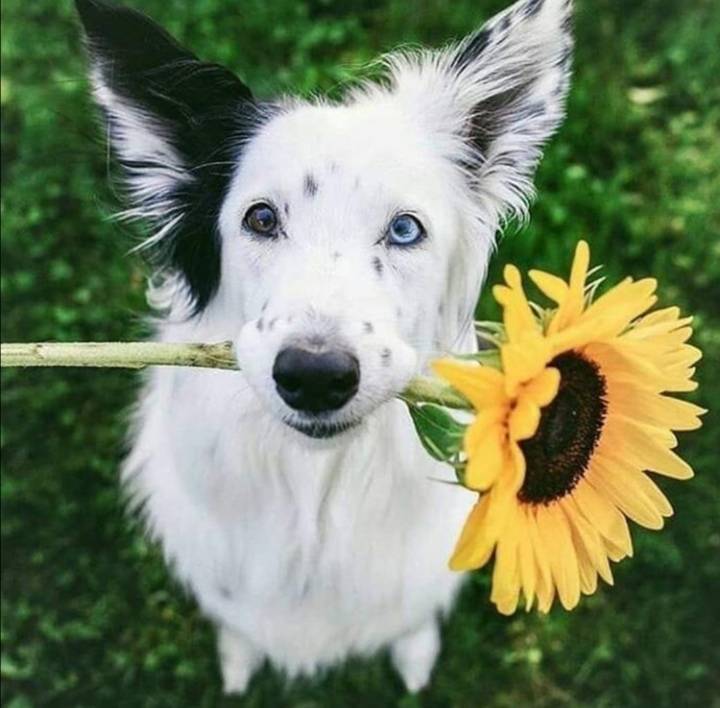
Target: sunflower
565, 431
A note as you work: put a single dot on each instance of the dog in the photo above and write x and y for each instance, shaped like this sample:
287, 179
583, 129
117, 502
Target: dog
340, 246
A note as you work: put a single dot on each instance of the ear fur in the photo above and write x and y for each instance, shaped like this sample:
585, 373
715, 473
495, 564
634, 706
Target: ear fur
494, 99
176, 124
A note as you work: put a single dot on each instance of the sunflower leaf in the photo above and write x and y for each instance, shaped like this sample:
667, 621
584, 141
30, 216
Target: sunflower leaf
440, 434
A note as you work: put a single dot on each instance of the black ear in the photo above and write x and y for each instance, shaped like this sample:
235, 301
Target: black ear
176, 124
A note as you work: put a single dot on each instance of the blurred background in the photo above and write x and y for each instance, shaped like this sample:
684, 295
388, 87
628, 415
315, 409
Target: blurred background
90, 615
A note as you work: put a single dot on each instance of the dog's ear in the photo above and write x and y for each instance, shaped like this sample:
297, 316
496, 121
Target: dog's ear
500, 93
176, 124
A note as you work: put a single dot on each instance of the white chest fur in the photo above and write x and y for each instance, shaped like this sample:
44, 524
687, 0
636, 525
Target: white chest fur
313, 550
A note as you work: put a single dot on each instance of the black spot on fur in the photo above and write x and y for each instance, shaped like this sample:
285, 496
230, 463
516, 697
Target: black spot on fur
368, 327
472, 49
378, 266
265, 306
260, 325
286, 209
386, 357
492, 117
506, 159
565, 57
271, 324
336, 255
204, 112
533, 110
310, 186
532, 7
504, 24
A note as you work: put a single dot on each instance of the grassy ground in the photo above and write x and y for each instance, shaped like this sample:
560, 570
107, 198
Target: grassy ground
90, 616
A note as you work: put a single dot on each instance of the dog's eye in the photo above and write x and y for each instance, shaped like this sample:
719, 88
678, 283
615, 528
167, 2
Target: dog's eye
405, 230
261, 219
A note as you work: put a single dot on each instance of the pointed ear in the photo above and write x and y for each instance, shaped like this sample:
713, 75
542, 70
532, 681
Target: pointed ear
176, 124
500, 94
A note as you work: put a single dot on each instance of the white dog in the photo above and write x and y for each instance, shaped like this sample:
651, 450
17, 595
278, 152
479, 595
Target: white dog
340, 246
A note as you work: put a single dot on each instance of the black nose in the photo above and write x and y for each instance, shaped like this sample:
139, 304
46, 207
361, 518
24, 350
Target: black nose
316, 382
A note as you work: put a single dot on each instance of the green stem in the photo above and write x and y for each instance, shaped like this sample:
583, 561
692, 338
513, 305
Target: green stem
138, 355
123, 355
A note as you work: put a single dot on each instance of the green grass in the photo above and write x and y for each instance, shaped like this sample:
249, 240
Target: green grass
90, 616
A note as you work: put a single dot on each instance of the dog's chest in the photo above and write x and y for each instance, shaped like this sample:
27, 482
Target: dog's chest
350, 545
272, 536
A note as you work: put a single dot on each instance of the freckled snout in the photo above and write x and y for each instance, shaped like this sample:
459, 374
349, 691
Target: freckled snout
314, 382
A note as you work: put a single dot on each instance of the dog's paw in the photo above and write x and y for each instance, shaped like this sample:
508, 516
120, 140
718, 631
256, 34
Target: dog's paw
414, 656
238, 661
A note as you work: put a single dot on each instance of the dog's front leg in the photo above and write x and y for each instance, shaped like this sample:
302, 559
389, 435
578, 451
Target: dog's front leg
414, 655
239, 660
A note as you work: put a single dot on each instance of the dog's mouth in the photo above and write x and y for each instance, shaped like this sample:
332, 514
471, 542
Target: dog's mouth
320, 429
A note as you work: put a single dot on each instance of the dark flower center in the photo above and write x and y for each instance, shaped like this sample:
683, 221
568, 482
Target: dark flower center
557, 456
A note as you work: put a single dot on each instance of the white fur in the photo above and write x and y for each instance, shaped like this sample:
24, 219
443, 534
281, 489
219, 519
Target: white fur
307, 551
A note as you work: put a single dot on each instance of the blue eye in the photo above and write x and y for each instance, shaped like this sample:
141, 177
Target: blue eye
261, 219
404, 230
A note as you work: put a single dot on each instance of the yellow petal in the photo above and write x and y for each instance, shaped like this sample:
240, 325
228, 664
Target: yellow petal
518, 467
526, 561
486, 455
654, 409
517, 315
482, 385
588, 537
544, 586
472, 550
544, 387
645, 449
687, 355
658, 331
512, 276
555, 534
658, 355
524, 419
668, 314
487, 521
603, 516
506, 575
627, 300
523, 360
555, 288
545, 595
615, 553
624, 494
580, 334
581, 263
588, 574
571, 307
653, 494
641, 483
622, 365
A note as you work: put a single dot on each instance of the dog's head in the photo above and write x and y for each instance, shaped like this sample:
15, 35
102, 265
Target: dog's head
341, 244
